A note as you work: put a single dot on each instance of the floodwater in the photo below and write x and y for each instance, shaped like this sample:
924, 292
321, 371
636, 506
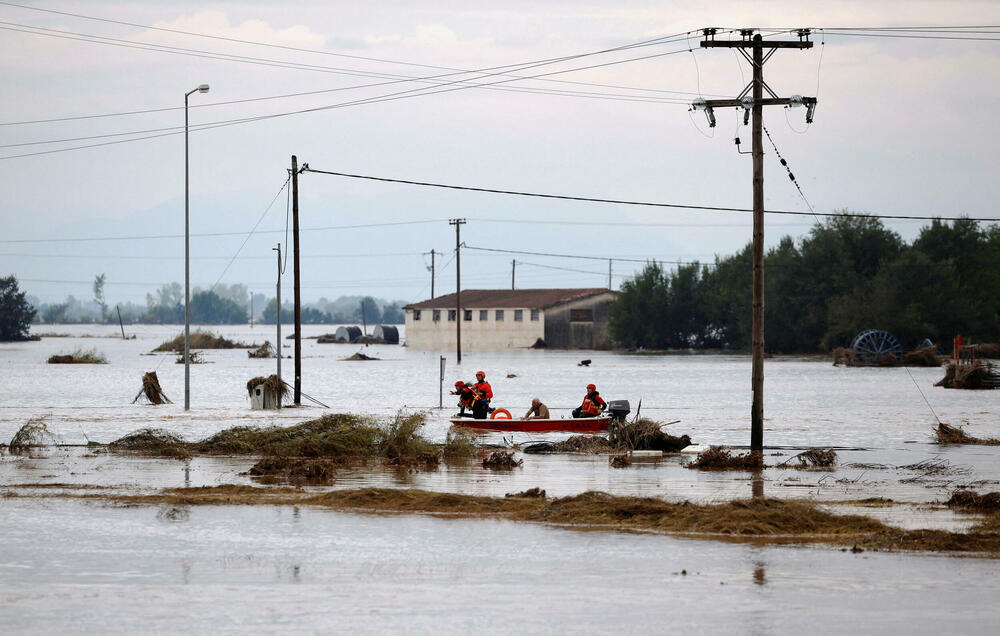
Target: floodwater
268, 569
67, 565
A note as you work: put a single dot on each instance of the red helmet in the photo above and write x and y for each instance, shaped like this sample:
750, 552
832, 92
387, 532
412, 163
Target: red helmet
591, 387
480, 373
459, 384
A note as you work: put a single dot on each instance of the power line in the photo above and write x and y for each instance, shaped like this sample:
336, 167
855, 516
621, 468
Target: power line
641, 203
589, 258
415, 92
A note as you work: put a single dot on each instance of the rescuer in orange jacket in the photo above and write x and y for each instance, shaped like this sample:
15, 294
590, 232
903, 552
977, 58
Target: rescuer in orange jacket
484, 388
469, 397
593, 404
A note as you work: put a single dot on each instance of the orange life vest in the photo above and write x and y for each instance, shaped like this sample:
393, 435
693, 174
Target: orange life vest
592, 404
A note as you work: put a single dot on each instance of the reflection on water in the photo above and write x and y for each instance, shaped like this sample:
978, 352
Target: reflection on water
250, 568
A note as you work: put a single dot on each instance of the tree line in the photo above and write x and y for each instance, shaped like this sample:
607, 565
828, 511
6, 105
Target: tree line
848, 274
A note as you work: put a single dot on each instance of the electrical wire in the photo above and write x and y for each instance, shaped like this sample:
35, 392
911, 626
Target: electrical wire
788, 169
639, 203
254, 229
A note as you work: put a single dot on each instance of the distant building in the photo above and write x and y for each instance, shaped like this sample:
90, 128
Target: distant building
495, 319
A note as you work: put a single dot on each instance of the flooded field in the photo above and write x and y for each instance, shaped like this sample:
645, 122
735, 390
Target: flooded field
167, 568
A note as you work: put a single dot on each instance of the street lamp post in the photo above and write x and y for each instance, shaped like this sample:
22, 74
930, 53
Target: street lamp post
203, 88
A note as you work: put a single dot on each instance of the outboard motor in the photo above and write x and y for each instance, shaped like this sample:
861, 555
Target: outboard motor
618, 409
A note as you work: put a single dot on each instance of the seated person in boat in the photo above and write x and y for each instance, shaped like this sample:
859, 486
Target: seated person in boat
593, 404
469, 398
538, 411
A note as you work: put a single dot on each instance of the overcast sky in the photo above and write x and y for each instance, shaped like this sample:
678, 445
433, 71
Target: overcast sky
903, 126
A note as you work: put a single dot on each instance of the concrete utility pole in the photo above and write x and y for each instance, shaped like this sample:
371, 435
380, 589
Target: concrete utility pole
432, 274
513, 268
458, 223
278, 317
295, 271
753, 105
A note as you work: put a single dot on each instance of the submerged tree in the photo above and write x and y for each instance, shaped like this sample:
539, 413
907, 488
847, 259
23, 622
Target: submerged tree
16, 313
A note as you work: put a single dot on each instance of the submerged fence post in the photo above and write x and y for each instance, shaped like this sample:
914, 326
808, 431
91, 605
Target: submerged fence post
441, 386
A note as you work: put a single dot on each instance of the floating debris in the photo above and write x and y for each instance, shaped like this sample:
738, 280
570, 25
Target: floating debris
297, 470
202, 340
923, 357
511, 375
645, 434
956, 435
620, 461
811, 459
531, 493
194, 356
968, 500
263, 351
718, 458
33, 434
152, 441
152, 390
359, 356
845, 356
501, 460
974, 375
79, 357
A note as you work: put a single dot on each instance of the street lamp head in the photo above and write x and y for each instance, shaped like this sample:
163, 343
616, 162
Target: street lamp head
203, 88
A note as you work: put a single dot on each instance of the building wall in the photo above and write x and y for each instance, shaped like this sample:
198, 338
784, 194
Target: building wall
566, 328
477, 335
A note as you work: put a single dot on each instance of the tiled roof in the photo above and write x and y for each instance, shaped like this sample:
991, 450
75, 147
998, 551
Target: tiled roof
509, 298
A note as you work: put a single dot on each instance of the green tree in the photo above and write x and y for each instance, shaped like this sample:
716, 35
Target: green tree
636, 316
270, 314
99, 281
208, 308
16, 313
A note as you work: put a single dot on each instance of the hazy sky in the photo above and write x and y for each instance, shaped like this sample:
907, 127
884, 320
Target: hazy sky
904, 126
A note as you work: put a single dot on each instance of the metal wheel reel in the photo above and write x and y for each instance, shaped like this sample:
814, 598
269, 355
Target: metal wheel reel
875, 345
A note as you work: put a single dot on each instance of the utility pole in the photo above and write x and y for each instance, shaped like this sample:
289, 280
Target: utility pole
295, 271
432, 274
609, 274
278, 319
364, 319
458, 223
513, 268
751, 100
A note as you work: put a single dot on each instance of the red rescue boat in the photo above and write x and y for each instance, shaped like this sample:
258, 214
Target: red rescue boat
576, 425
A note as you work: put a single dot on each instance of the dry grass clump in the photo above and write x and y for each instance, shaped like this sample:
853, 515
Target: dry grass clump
194, 356
812, 459
843, 355
531, 493
272, 384
263, 351
923, 357
956, 435
403, 445
202, 340
333, 435
459, 444
502, 460
152, 390
584, 444
645, 434
619, 461
297, 470
33, 434
718, 458
975, 375
79, 357
359, 356
968, 500
152, 441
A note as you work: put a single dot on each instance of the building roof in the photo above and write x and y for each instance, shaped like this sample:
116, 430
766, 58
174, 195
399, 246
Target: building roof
510, 298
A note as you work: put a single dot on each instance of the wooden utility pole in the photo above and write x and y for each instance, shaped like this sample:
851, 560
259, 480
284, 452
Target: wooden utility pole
458, 223
295, 271
432, 274
277, 299
609, 274
752, 101
513, 268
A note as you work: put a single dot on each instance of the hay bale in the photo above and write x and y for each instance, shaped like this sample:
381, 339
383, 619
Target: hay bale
922, 357
718, 458
152, 441
263, 351
152, 390
501, 460
645, 434
33, 434
272, 384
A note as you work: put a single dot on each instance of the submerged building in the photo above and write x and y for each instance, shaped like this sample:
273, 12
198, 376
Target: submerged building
506, 319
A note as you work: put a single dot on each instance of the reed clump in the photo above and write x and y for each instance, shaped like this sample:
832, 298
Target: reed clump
34, 434
80, 356
263, 351
812, 459
403, 444
152, 441
718, 458
947, 434
502, 460
202, 340
645, 434
974, 502
923, 357
459, 445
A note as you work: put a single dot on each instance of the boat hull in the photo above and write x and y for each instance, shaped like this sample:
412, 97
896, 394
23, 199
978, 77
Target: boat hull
576, 425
